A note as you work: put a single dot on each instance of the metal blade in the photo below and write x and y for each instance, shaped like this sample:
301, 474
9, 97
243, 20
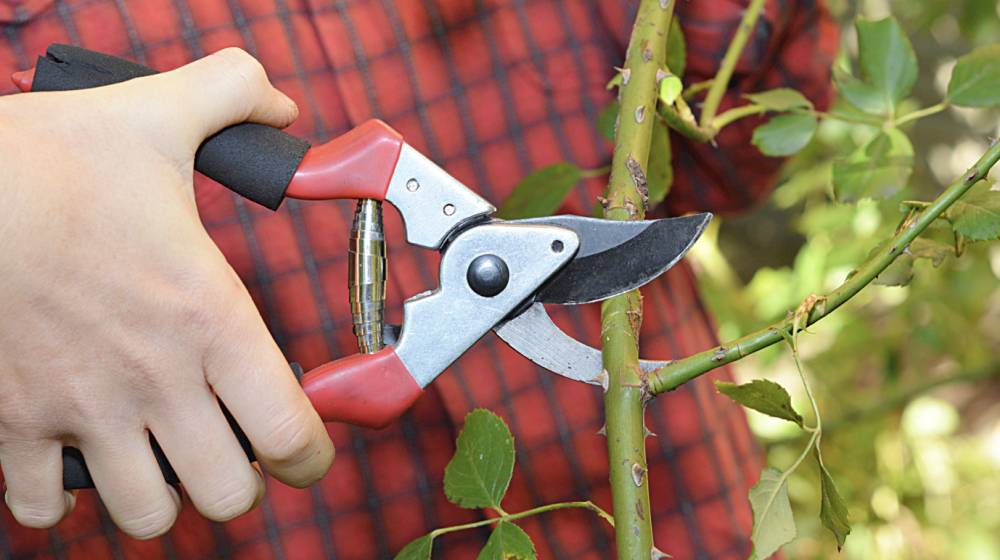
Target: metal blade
616, 257
536, 337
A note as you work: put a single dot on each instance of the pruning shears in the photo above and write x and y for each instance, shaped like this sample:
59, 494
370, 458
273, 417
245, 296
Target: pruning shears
493, 274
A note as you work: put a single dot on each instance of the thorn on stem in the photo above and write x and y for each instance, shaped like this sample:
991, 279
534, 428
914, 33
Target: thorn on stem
637, 473
655, 554
640, 113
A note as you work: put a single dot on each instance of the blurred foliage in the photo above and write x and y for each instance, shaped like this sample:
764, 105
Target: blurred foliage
907, 378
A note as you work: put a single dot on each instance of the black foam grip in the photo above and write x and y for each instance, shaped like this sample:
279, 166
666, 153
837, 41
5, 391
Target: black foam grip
76, 475
253, 160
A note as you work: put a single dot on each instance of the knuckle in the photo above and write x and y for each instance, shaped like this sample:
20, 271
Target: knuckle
292, 439
148, 525
245, 67
235, 502
37, 515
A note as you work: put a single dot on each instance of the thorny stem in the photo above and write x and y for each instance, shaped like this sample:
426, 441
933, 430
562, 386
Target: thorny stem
676, 373
512, 516
721, 81
627, 393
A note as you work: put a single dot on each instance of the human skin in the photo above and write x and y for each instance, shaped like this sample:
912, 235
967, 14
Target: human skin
120, 316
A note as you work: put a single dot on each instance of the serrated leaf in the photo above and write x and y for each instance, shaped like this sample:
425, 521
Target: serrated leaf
975, 81
508, 541
676, 49
860, 95
660, 177
977, 214
781, 99
886, 58
833, 511
419, 549
764, 396
541, 193
784, 135
876, 170
478, 475
773, 524
670, 89
923, 248
606, 120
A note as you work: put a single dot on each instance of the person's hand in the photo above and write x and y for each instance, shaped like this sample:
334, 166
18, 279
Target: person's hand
119, 317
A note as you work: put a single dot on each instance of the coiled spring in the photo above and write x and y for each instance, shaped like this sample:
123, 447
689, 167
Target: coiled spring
366, 275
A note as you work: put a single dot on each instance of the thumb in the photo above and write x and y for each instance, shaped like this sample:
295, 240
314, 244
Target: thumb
217, 91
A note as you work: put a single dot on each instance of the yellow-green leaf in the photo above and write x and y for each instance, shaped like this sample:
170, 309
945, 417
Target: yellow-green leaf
508, 541
773, 524
764, 396
419, 549
541, 193
975, 81
784, 135
479, 473
781, 99
670, 88
876, 170
833, 511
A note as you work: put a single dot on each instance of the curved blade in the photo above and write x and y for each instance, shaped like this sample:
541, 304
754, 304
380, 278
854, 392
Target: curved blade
536, 337
616, 257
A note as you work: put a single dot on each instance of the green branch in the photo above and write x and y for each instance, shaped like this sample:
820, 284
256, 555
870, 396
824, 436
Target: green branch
512, 516
728, 66
626, 391
675, 374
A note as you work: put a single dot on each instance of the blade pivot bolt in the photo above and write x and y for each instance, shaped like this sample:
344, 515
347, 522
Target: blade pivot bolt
488, 275
557, 246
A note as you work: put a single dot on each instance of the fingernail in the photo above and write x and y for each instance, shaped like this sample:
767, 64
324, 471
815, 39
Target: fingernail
291, 104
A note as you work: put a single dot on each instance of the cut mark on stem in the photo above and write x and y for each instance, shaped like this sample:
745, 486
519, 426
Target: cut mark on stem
639, 179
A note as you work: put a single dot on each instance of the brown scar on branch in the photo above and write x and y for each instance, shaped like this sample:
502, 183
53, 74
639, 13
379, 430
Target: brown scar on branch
647, 53
638, 510
639, 178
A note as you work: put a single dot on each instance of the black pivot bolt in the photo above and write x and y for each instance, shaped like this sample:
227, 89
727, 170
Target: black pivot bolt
488, 275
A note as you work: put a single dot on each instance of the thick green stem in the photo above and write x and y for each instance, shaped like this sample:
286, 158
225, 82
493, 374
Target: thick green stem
676, 373
627, 391
721, 81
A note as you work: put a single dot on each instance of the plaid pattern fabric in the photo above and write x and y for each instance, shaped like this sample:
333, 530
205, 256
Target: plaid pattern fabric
491, 90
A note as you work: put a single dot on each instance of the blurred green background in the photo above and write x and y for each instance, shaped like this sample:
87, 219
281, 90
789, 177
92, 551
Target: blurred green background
908, 379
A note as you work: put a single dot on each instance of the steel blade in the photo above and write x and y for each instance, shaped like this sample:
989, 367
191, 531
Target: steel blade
536, 337
615, 256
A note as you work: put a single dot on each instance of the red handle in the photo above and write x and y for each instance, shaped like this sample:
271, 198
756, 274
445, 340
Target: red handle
358, 164
369, 390
23, 80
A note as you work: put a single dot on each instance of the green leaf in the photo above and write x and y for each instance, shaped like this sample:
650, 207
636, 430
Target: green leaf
607, 119
660, 174
616, 81
773, 524
670, 88
899, 273
876, 170
975, 81
863, 97
478, 475
508, 541
419, 549
764, 396
833, 511
977, 214
676, 49
541, 193
781, 99
784, 135
886, 58
923, 248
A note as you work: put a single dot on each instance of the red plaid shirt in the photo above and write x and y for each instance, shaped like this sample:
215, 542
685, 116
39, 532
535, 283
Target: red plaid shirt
491, 90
